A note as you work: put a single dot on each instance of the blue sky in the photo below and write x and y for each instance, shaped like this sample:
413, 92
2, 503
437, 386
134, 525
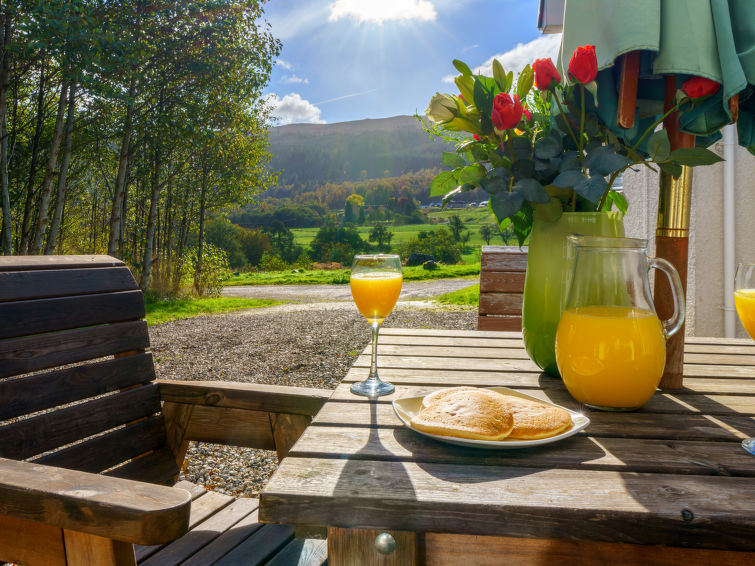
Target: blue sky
353, 59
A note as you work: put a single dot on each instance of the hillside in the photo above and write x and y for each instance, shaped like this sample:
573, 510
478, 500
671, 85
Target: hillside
307, 155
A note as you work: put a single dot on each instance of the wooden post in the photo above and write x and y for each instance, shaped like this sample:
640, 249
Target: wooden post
630, 74
672, 238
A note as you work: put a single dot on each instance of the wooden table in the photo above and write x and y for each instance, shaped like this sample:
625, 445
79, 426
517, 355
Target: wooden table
668, 484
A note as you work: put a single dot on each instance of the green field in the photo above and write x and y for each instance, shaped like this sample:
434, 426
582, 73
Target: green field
473, 218
165, 310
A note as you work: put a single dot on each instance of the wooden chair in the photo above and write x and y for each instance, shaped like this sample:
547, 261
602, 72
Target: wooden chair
88, 447
501, 287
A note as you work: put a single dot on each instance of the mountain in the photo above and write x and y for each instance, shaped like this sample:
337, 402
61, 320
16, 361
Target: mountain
307, 155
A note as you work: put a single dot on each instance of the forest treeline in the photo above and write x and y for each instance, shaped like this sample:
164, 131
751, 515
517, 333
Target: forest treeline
125, 123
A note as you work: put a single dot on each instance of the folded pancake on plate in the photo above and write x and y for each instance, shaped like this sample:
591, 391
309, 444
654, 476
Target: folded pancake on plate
532, 420
474, 414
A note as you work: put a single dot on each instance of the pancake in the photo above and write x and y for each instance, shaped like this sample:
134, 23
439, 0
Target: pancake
443, 393
468, 413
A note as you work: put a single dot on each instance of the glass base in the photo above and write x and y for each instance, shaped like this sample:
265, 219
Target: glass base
749, 445
614, 409
372, 388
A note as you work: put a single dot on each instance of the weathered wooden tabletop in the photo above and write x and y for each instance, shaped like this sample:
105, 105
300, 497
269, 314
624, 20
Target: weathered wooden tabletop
671, 474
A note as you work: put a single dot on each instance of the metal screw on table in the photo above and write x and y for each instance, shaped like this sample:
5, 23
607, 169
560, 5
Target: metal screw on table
385, 543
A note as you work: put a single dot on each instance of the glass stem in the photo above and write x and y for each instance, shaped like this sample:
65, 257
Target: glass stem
373, 364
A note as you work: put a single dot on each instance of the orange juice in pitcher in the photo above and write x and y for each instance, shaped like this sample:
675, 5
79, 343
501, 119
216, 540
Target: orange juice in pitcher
610, 344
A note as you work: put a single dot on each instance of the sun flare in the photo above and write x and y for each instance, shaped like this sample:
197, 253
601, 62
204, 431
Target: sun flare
385, 10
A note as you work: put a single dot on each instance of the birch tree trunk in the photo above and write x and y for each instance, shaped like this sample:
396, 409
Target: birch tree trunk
155, 195
120, 180
5, 30
200, 245
23, 246
46, 193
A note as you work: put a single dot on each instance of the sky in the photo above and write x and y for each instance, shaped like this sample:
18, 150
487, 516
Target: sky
345, 60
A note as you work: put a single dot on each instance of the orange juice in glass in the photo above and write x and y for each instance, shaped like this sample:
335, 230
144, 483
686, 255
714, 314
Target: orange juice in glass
375, 285
744, 301
610, 344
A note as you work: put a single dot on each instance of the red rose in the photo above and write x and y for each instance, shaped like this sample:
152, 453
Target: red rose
476, 137
583, 65
545, 72
527, 113
506, 112
699, 86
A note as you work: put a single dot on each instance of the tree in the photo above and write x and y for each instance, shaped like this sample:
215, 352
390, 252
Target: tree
381, 236
486, 233
456, 225
353, 207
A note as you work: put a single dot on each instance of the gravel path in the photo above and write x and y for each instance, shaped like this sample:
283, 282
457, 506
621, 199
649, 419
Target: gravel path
305, 345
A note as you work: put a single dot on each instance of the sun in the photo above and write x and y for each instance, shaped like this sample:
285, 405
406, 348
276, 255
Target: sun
385, 10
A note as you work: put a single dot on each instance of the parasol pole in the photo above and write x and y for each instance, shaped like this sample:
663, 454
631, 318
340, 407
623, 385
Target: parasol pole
672, 237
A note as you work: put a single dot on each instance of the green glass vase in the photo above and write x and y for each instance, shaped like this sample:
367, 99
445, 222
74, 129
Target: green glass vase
549, 265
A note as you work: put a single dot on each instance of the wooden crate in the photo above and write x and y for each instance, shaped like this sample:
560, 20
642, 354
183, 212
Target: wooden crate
501, 287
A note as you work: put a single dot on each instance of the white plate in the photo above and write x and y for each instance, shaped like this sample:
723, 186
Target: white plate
406, 408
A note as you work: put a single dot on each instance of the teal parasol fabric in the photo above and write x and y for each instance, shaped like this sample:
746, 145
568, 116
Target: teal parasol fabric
684, 38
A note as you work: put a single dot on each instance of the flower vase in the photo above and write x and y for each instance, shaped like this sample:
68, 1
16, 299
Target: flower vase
549, 268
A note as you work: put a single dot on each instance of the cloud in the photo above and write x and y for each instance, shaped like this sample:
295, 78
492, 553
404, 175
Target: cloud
293, 109
293, 79
385, 10
517, 58
285, 64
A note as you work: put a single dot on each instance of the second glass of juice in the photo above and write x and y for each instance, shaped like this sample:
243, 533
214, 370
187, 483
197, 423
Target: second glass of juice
610, 344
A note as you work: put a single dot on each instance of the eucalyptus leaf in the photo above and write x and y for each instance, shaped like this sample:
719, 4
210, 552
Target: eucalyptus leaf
453, 160
520, 147
591, 188
462, 67
492, 184
532, 191
568, 179
694, 156
472, 173
505, 204
659, 147
442, 183
604, 160
673, 169
569, 161
549, 146
523, 169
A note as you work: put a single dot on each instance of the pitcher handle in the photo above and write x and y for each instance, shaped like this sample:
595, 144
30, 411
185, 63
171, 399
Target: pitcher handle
673, 324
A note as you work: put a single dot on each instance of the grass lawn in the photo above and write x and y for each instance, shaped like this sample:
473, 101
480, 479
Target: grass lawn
341, 276
466, 296
165, 310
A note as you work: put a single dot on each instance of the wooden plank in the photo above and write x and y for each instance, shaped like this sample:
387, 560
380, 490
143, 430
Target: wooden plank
357, 546
500, 303
29, 394
28, 262
84, 550
252, 396
28, 437
511, 259
621, 425
489, 322
32, 353
605, 506
235, 427
28, 542
47, 315
452, 550
103, 452
385, 331
110, 507
401, 340
227, 541
286, 431
502, 282
203, 534
158, 467
579, 452
23, 285
302, 552
177, 418
260, 546
719, 349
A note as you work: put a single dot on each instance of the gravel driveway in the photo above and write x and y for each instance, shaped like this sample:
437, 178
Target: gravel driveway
308, 344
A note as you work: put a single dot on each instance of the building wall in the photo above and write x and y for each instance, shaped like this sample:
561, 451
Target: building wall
705, 293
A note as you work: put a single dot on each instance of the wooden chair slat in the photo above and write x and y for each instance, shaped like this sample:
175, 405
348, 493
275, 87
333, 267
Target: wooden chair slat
109, 450
28, 437
22, 318
25, 263
28, 394
157, 467
260, 546
25, 285
227, 541
33, 353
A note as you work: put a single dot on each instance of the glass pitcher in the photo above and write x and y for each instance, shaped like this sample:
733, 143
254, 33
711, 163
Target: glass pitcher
610, 344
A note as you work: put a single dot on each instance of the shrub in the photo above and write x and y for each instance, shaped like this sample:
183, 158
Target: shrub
270, 262
215, 268
439, 244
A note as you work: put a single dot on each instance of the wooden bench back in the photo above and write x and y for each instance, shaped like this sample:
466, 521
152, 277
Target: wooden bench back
501, 287
76, 382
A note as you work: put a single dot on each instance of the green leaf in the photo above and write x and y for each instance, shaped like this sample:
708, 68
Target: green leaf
523, 169
442, 183
472, 173
505, 204
483, 98
532, 191
604, 160
453, 160
618, 199
498, 160
493, 185
465, 145
568, 179
549, 146
673, 169
659, 146
694, 156
462, 67
509, 80
524, 84
499, 74
520, 146
591, 188
449, 196
569, 161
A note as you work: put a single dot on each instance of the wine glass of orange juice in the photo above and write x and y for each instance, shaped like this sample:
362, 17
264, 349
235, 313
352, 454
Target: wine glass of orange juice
610, 344
375, 285
744, 301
